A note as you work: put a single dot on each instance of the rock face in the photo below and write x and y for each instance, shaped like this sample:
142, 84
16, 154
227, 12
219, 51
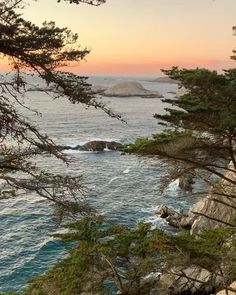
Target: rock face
218, 208
95, 145
131, 88
223, 292
191, 280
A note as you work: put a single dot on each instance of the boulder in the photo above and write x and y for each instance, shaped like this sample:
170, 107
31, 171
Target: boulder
191, 280
131, 88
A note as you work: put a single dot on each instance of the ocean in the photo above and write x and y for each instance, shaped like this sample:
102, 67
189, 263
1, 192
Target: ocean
125, 188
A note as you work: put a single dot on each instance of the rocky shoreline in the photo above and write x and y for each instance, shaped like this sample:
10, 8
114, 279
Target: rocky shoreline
214, 210
217, 209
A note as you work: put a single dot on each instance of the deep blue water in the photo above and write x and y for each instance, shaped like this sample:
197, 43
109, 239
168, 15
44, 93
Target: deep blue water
123, 187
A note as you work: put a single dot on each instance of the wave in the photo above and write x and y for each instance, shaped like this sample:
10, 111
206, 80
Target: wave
79, 152
127, 170
108, 150
173, 186
70, 151
113, 179
156, 221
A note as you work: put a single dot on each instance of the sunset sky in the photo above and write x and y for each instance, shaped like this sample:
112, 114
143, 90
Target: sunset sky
142, 36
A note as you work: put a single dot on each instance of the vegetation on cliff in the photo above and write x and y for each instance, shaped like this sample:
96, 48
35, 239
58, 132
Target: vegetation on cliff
107, 258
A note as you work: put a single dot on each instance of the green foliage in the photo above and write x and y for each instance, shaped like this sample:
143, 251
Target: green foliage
200, 139
108, 257
210, 102
208, 249
105, 252
156, 142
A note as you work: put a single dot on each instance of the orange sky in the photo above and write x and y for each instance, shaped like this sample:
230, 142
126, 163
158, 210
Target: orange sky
142, 36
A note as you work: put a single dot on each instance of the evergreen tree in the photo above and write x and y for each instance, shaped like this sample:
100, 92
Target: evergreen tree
37, 51
200, 134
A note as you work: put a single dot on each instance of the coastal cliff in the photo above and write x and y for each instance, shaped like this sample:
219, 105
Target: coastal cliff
217, 209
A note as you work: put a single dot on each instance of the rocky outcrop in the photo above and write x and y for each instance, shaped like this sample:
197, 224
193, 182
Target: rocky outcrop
175, 218
131, 88
191, 280
95, 146
218, 208
99, 145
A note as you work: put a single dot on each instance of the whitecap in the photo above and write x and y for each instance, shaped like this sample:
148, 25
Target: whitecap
70, 151
174, 185
113, 179
127, 170
107, 149
47, 240
156, 221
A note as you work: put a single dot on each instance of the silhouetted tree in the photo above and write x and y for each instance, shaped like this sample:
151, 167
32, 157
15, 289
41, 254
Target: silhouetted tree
42, 52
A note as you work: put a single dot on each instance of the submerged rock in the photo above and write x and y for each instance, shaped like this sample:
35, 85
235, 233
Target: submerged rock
131, 88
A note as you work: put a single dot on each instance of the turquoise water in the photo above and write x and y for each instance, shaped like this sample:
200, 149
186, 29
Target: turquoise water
123, 187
